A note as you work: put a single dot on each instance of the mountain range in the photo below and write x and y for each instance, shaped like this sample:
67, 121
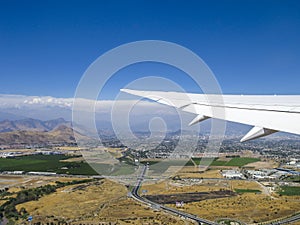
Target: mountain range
60, 135
30, 124
29, 131
36, 132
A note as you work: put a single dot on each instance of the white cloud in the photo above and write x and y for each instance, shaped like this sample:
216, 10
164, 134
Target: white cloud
36, 103
138, 113
22, 100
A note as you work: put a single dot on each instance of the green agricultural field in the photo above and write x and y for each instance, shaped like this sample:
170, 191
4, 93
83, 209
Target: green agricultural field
208, 161
45, 163
232, 162
290, 191
241, 161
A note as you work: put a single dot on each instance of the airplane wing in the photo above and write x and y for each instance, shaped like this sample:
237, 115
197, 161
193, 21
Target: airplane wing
266, 113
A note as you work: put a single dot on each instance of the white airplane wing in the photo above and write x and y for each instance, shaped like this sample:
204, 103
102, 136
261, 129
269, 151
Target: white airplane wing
266, 113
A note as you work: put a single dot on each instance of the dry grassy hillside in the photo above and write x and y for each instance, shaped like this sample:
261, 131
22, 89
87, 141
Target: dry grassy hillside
107, 202
62, 134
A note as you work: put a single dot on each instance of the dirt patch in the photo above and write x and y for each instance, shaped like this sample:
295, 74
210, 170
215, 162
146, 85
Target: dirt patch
189, 197
263, 165
75, 159
195, 172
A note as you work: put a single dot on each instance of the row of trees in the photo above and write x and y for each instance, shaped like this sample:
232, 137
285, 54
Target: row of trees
8, 209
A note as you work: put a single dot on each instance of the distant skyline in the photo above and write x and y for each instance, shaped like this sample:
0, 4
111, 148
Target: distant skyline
253, 47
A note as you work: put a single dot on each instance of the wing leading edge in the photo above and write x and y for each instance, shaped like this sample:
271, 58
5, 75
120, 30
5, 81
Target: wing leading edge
266, 113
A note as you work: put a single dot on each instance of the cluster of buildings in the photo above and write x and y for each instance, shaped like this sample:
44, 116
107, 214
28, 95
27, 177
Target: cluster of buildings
232, 174
16, 172
263, 174
10, 154
13, 154
293, 162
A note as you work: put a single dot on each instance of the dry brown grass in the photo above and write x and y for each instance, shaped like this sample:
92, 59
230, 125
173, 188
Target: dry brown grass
296, 223
169, 187
71, 204
9, 180
115, 152
2, 202
226, 159
23, 150
14, 189
68, 148
75, 159
248, 208
193, 172
244, 184
10, 177
106, 202
182, 186
128, 210
16, 183
263, 164
37, 181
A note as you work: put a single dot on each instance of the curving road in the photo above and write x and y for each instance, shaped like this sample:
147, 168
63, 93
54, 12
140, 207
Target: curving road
287, 220
136, 196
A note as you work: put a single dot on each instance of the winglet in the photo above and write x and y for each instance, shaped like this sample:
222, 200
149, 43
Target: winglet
257, 132
198, 119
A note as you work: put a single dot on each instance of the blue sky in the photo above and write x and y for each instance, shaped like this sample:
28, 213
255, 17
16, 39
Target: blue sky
253, 47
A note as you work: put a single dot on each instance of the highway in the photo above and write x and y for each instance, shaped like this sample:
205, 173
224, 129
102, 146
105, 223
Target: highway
287, 220
154, 205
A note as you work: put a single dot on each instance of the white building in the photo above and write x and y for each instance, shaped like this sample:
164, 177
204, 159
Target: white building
232, 174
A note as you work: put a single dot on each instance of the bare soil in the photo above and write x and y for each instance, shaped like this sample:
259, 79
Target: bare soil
189, 197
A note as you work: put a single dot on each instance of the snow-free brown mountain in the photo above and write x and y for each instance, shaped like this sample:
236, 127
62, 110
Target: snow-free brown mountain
31, 125
37, 132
